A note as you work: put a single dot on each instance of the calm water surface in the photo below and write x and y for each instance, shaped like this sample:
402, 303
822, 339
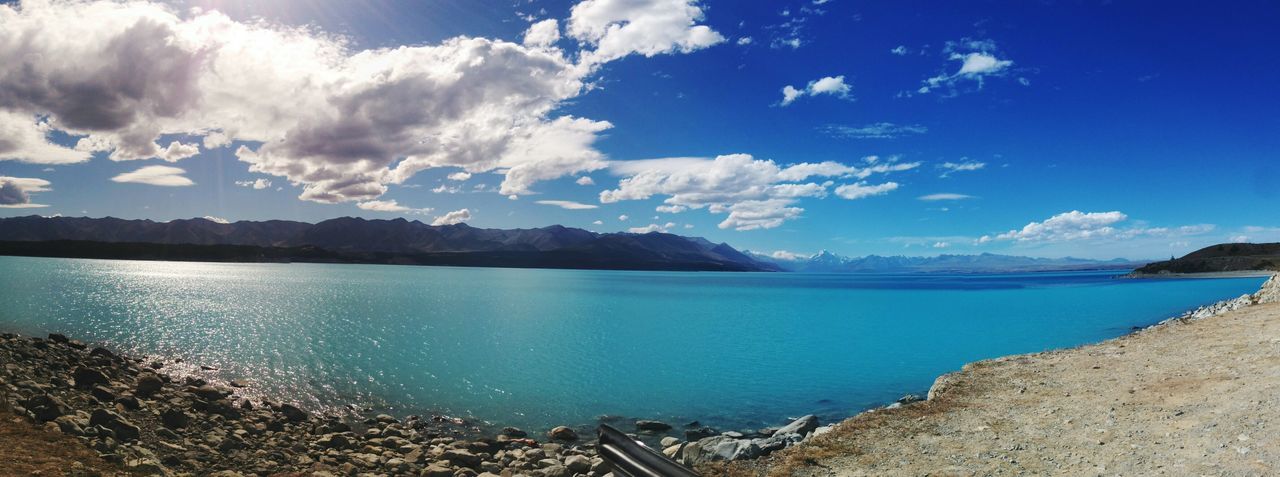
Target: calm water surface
538, 348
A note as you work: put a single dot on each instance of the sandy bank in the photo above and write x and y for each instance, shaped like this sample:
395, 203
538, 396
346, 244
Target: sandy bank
1190, 397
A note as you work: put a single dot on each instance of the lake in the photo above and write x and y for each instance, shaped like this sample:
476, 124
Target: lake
538, 348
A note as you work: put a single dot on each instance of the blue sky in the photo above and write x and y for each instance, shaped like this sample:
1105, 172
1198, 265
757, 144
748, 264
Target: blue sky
1095, 129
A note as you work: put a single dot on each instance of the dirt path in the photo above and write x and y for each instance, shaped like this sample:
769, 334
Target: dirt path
1189, 398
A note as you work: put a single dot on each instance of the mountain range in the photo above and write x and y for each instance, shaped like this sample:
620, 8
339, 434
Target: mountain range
349, 239
827, 262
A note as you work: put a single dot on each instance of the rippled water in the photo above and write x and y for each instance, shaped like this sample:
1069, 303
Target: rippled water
537, 348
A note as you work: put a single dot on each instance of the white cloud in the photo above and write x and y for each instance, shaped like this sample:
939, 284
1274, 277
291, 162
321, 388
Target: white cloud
257, 184
617, 28
459, 176
944, 196
756, 194
598, 222
881, 130
862, 190
941, 244
652, 228
1240, 239
542, 34
178, 151
567, 204
585, 180
788, 256
1076, 225
390, 206
447, 189
216, 220
899, 50
978, 59
24, 138
453, 218
829, 85
744, 41
340, 123
15, 192
164, 176
951, 167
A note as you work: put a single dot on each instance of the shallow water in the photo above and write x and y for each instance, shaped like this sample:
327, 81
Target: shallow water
538, 348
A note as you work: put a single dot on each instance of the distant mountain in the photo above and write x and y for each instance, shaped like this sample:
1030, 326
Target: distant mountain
349, 239
827, 262
1226, 257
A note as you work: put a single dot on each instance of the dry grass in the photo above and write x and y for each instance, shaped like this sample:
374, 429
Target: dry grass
27, 449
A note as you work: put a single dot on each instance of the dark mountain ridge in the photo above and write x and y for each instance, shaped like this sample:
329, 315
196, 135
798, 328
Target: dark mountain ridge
1224, 257
351, 239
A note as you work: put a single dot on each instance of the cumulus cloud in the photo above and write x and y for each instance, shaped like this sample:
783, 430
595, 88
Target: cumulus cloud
390, 206
829, 85
305, 106
944, 196
165, 176
598, 222
623, 218
881, 130
459, 176
542, 34
1073, 225
979, 59
585, 180
24, 138
453, 218
941, 244
178, 151
754, 193
567, 204
15, 192
949, 168
900, 50
788, 256
257, 184
617, 28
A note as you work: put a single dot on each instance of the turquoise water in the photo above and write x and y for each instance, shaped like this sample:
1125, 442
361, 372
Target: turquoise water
537, 348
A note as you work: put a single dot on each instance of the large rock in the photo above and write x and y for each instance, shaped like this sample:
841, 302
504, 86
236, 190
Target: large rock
123, 429
46, 407
720, 448
563, 433
88, 377
174, 419
652, 426
292, 413
802, 426
148, 385
578, 464
209, 393
462, 458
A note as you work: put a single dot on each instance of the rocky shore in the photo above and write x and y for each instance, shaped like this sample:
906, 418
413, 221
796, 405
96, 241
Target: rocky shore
1193, 395
135, 414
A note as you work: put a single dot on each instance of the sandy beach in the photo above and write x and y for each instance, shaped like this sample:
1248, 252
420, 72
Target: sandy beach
1188, 397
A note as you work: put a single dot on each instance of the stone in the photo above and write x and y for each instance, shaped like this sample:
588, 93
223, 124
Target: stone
88, 377
102, 394
556, 471
121, 427
208, 392
335, 441
436, 470
129, 402
514, 432
174, 419
802, 426
461, 457
292, 413
46, 407
148, 385
699, 433
909, 398
69, 425
58, 338
563, 433
103, 352
652, 426
669, 441
578, 464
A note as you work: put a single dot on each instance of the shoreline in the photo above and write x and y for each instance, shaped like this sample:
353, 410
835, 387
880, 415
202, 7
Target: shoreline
230, 418
1234, 274
989, 418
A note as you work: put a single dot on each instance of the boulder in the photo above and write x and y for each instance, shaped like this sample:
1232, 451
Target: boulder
46, 407
436, 470
174, 419
121, 427
103, 352
103, 394
148, 385
88, 377
514, 432
669, 441
208, 392
578, 464
802, 426
699, 433
556, 471
462, 458
563, 433
292, 413
652, 426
